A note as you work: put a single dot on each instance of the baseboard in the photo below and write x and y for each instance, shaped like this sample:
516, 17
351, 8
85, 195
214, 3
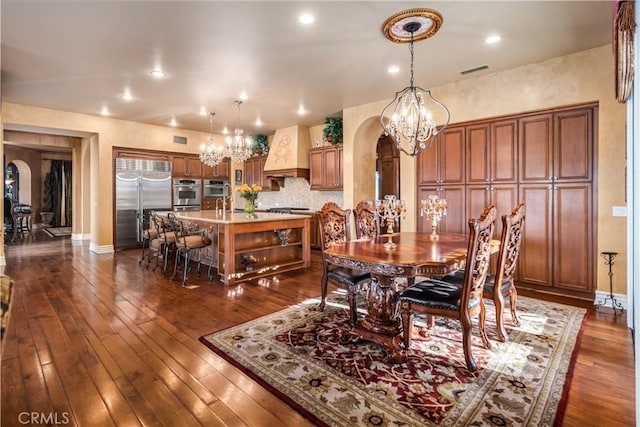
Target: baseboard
80, 236
601, 296
104, 249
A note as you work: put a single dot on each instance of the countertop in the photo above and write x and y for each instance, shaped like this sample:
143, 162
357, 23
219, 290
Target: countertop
234, 217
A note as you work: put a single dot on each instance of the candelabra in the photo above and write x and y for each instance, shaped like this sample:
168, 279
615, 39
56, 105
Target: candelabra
390, 210
434, 208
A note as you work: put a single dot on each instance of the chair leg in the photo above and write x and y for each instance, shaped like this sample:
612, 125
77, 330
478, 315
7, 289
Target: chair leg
147, 242
498, 301
175, 264
186, 266
407, 326
513, 297
323, 287
353, 306
481, 324
465, 323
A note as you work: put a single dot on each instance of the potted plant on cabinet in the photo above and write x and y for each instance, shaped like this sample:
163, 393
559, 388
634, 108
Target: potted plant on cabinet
261, 145
332, 131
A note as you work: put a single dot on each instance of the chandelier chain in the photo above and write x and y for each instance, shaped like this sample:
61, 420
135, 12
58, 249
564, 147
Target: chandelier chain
411, 53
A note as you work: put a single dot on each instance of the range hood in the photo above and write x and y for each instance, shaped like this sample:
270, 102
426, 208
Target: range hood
288, 156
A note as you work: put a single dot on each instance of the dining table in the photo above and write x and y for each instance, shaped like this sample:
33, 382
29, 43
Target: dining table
415, 254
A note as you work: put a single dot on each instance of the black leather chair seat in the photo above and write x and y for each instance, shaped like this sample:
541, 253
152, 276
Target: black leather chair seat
348, 276
458, 276
435, 294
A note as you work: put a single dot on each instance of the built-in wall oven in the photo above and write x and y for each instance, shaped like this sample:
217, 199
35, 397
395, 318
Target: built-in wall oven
215, 188
187, 194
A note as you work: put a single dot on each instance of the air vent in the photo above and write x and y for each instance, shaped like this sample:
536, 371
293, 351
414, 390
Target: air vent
180, 140
474, 70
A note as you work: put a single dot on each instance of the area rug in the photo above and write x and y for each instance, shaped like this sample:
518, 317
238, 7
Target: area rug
58, 231
296, 354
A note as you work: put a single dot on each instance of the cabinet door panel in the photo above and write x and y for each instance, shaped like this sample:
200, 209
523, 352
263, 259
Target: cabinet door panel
428, 164
573, 145
573, 239
178, 166
331, 168
535, 148
316, 169
456, 220
505, 198
451, 151
478, 154
535, 263
504, 160
478, 198
194, 167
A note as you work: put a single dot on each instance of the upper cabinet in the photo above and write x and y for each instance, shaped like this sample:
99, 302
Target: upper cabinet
253, 171
325, 168
557, 146
221, 171
186, 166
443, 163
492, 152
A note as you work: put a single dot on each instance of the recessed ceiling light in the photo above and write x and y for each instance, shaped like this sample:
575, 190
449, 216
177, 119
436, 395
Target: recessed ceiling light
394, 69
258, 122
306, 19
127, 96
104, 111
203, 111
301, 110
158, 74
494, 38
225, 131
173, 123
243, 96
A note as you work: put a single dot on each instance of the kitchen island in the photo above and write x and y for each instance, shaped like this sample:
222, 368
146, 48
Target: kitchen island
277, 242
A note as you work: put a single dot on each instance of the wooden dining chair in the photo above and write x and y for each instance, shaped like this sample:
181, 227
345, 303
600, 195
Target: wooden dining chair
367, 221
462, 302
510, 242
334, 228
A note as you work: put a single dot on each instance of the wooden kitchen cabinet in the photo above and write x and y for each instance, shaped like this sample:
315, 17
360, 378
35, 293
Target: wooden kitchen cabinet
186, 166
443, 163
314, 230
254, 171
221, 171
492, 152
326, 168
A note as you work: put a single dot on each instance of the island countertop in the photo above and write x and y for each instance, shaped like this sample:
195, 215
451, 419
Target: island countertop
211, 216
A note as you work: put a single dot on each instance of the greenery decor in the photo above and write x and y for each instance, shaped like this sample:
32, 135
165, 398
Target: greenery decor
261, 143
332, 131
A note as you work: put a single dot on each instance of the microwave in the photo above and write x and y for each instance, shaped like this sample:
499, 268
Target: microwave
215, 188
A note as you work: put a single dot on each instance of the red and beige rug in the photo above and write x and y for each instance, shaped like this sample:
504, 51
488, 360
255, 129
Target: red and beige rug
296, 354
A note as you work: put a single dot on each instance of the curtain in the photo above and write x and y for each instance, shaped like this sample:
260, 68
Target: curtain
623, 34
59, 186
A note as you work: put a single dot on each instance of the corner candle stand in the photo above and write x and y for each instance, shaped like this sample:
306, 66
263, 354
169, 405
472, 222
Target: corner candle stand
608, 260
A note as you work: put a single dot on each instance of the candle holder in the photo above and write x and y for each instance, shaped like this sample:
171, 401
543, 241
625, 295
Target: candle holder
434, 208
390, 210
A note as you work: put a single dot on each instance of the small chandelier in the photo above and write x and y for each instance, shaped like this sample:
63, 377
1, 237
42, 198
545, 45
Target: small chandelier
211, 155
238, 147
411, 125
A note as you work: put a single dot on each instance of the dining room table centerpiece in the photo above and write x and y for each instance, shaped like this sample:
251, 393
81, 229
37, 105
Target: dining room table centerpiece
250, 194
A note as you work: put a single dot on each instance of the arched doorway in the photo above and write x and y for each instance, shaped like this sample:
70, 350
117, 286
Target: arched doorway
387, 168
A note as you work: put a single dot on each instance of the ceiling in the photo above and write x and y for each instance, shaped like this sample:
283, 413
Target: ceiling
81, 56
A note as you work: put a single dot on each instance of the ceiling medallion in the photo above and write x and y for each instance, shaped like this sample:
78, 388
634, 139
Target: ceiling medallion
421, 23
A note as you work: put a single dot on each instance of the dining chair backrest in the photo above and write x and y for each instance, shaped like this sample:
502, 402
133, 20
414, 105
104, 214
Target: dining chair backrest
334, 224
478, 255
510, 240
367, 220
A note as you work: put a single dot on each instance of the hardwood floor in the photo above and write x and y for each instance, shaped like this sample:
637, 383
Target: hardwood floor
98, 340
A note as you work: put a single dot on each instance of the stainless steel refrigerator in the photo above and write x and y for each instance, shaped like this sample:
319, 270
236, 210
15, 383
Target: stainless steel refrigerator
141, 186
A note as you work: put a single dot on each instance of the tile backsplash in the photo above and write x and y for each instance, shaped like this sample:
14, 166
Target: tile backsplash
296, 193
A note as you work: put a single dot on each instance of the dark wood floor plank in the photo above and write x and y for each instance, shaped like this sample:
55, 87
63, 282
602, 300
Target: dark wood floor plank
111, 343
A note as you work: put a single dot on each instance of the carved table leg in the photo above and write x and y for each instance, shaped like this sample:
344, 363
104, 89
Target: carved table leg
382, 323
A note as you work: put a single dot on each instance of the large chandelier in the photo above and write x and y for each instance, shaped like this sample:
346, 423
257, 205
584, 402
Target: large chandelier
410, 122
238, 146
210, 154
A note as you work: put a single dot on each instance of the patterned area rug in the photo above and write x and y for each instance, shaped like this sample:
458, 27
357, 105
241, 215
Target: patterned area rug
58, 231
296, 354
